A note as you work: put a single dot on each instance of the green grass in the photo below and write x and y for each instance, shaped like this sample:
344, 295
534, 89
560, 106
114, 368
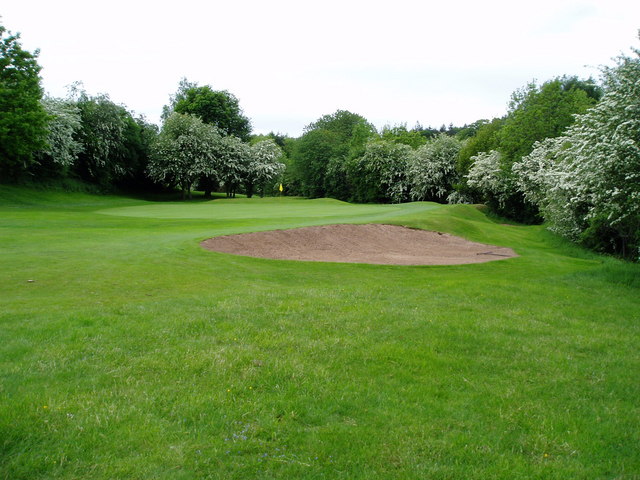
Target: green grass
127, 351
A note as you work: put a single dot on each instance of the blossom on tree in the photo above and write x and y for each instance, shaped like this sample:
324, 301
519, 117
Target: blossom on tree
184, 151
264, 166
587, 183
433, 169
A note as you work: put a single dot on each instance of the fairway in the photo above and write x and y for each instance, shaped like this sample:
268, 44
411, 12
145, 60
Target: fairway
128, 351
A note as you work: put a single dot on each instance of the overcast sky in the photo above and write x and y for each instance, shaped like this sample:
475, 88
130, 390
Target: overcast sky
290, 62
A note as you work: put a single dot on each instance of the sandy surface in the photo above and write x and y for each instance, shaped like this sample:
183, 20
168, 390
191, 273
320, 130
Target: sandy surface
374, 243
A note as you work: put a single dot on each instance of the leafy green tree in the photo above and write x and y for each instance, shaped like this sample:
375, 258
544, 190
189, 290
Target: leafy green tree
291, 178
313, 151
380, 174
471, 130
400, 134
536, 113
426, 132
23, 120
139, 136
183, 86
279, 139
589, 86
215, 107
185, 150
486, 138
323, 149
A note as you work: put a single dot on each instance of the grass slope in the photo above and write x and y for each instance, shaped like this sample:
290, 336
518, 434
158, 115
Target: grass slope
127, 351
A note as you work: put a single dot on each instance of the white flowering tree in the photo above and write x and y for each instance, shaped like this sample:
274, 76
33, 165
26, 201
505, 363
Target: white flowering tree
432, 172
264, 166
543, 182
592, 175
535, 174
490, 180
64, 124
485, 176
233, 158
184, 151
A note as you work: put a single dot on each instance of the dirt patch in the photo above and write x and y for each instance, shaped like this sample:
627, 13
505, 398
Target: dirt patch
374, 243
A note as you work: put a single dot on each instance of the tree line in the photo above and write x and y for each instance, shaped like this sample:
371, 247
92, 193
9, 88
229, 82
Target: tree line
205, 141
566, 153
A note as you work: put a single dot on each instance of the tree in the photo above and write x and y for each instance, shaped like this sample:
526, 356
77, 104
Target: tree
185, 150
486, 178
536, 113
587, 183
323, 150
427, 132
183, 86
138, 138
105, 157
400, 134
533, 173
23, 120
264, 166
232, 157
543, 183
380, 174
489, 183
432, 172
63, 147
115, 145
215, 107
485, 139
471, 130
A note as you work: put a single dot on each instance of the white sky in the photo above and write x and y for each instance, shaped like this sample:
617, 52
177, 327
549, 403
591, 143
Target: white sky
290, 61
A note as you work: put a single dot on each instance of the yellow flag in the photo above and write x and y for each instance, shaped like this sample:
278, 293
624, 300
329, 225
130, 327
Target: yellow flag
280, 187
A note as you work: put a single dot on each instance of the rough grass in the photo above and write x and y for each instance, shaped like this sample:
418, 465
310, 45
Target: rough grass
127, 351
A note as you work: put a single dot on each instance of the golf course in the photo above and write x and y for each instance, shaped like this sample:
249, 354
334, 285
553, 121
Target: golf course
129, 351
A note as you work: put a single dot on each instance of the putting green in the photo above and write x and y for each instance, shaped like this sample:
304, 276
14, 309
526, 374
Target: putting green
223, 209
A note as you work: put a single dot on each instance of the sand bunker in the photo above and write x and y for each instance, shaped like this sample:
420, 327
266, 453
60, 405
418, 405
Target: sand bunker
374, 243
